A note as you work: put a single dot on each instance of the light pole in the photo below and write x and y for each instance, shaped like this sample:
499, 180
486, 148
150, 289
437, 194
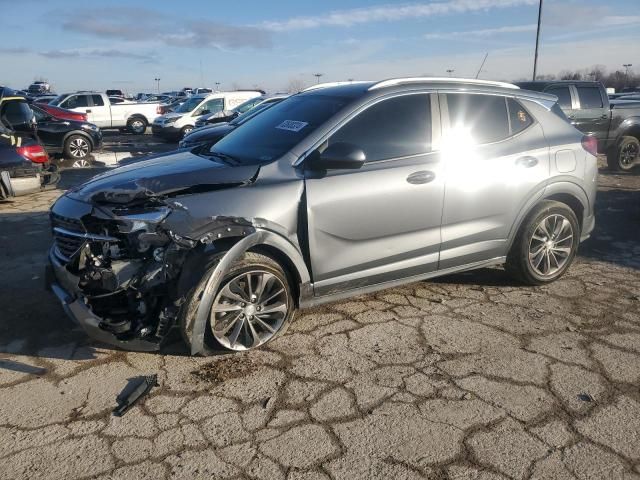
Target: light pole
626, 66
318, 75
535, 58
450, 71
157, 84
217, 86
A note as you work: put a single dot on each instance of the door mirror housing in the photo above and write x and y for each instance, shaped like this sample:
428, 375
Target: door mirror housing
339, 156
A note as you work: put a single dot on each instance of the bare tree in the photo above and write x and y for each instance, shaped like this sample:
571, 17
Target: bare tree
295, 85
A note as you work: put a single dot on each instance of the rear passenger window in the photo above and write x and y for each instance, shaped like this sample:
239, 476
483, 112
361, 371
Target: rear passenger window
564, 97
590, 97
97, 100
393, 128
485, 116
519, 118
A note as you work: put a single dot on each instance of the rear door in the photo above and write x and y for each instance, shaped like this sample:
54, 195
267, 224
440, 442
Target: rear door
592, 115
496, 157
380, 222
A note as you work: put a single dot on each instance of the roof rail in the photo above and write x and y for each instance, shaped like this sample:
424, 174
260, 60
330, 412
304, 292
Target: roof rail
332, 84
400, 81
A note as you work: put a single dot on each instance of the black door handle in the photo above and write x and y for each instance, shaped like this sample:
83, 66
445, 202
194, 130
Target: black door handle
418, 178
88, 111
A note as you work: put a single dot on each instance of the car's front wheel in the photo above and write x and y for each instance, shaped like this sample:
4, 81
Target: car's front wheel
546, 244
253, 305
77, 147
625, 156
186, 131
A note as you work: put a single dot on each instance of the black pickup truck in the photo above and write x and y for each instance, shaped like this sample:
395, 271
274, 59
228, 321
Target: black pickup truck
615, 124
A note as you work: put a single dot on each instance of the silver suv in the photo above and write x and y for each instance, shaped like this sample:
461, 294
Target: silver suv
340, 190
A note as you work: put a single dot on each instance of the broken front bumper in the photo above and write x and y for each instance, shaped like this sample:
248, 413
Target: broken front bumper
65, 286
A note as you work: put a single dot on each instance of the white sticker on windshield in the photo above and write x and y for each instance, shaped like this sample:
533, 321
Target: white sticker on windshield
292, 125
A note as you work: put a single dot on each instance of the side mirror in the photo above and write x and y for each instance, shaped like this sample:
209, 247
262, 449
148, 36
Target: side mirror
339, 156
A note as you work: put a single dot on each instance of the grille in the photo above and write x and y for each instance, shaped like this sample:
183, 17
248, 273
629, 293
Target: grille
67, 245
69, 242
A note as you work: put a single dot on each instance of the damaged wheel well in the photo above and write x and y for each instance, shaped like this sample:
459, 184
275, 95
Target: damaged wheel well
287, 265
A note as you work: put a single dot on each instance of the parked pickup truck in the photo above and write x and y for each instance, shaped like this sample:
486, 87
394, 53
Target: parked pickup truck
101, 112
616, 123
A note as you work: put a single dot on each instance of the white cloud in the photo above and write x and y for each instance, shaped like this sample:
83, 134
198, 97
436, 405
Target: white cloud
387, 13
487, 32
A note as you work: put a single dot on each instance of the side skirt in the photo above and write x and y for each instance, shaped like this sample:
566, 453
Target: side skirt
354, 292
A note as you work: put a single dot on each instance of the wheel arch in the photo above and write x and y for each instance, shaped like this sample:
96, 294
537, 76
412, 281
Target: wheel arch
260, 241
567, 193
630, 127
80, 133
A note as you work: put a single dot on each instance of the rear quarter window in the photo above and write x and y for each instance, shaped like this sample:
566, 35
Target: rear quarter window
519, 118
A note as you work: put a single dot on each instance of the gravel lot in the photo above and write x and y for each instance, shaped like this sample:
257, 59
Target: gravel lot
467, 377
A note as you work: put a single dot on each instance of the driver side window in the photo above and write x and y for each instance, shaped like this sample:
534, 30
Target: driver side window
75, 101
393, 128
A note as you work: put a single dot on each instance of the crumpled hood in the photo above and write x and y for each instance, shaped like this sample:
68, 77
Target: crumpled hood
165, 175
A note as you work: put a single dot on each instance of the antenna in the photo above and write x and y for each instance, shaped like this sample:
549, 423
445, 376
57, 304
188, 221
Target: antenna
482, 65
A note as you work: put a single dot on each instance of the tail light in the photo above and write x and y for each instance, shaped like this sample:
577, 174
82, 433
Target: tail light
159, 110
35, 153
83, 117
590, 144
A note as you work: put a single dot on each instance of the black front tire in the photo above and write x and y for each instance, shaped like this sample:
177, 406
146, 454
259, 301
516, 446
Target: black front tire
518, 263
249, 261
620, 158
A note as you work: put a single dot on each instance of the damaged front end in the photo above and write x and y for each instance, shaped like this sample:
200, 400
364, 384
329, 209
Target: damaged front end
116, 267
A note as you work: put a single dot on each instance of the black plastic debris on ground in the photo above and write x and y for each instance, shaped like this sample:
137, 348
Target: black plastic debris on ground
585, 397
137, 388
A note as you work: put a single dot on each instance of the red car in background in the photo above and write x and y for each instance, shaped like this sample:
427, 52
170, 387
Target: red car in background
63, 113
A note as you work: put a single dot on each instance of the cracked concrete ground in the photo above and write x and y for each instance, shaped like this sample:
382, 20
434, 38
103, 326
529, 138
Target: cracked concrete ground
467, 377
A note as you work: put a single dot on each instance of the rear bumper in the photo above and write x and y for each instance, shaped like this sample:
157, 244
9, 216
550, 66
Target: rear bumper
64, 286
588, 224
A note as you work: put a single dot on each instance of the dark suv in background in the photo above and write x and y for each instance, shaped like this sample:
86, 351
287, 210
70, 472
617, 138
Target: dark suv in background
615, 124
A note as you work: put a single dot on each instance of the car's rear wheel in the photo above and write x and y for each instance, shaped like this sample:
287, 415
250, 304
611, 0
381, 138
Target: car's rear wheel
253, 305
625, 156
546, 244
77, 147
137, 125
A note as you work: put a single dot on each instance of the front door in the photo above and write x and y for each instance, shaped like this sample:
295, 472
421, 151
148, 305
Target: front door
380, 222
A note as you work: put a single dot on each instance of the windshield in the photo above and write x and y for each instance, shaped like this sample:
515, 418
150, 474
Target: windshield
239, 120
278, 129
58, 100
189, 105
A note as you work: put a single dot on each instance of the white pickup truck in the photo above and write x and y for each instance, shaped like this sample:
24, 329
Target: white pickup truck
101, 112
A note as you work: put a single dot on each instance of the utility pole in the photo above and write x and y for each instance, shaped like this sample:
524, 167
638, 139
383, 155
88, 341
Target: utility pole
157, 84
535, 58
626, 66
318, 75
450, 71
218, 86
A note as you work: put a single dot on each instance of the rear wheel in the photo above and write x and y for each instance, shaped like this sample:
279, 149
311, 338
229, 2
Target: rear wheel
625, 156
137, 125
253, 305
77, 147
546, 245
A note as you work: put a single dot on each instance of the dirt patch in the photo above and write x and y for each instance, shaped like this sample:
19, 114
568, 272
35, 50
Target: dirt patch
220, 370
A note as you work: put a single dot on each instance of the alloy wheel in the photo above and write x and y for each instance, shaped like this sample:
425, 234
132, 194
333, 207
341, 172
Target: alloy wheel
137, 126
249, 310
79, 148
551, 245
628, 155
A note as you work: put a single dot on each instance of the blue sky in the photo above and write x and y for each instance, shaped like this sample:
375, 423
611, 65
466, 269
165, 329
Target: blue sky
78, 44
